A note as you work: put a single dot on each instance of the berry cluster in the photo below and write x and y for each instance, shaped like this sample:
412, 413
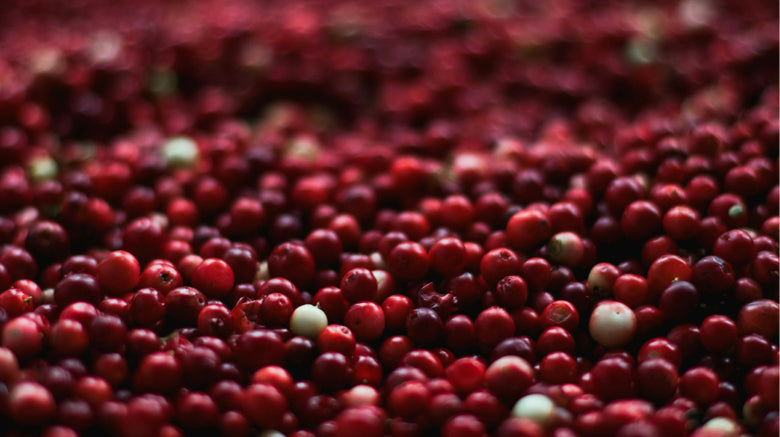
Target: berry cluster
342, 218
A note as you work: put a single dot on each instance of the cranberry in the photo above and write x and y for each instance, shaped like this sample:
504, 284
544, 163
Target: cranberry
466, 374
23, 337
78, 287
630, 289
699, 384
612, 324
358, 284
679, 300
493, 325
293, 262
537, 273
258, 348
447, 257
565, 248
160, 276
213, 277
31, 403
147, 307
735, 246
640, 220
408, 261
183, 304
612, 378
528, 229
336, 338
366, 320
272, 401
713, 275
499, 263
330, 371
656, 379
560, 313
423, 325
759, 317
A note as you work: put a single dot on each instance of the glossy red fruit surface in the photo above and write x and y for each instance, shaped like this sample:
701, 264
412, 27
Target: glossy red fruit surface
389, 219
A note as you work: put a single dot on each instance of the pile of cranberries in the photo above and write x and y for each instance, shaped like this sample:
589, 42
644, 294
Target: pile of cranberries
389, 218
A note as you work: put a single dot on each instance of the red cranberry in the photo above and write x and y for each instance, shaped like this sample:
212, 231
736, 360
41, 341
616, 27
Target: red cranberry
493, 325
759, 317
408, 261
213, 277
31, 403
293, 262
264, 405
734, 246
358, 284
330, 371
78, 287
699, 384
118, 273
447, 257
366, 320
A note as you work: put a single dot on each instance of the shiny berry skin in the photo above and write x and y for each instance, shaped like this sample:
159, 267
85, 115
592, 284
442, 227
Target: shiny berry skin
31, 403
78, 287
396, 309
466, 374
336, 338
630, 289
735, 246
612, 378
147, 307
640, 220
713, 275
612, 324
565, 248
292, 261
656, 379
23, 337
118, 273
257, 348
681, 223
408, 261
512, 291
447, 256
759, 317
358, 285
15, 302
264, 405
213, 277
678, 300
555, 339
160, 276
700, 385
718, 334
537, 273
497, 264
558, 368
663, 271
528, 229
330, 371
493, 325
366, 320
601, 279
423, 325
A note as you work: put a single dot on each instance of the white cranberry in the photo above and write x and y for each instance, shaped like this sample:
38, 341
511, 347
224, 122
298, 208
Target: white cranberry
536, 407
612, 324
308, 321
180, 152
